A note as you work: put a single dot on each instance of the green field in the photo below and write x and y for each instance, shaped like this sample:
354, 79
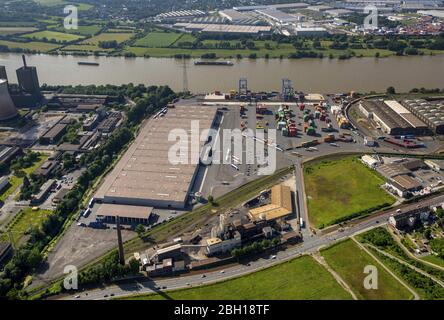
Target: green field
52, 35
348, 260
33, 45
26, 219
7, 31
300, 279
157, 40
85, 47
337, 188
119, 37
87, 31
15, 182
434, 259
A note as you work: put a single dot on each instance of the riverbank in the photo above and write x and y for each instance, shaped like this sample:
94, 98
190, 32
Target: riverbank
308, 75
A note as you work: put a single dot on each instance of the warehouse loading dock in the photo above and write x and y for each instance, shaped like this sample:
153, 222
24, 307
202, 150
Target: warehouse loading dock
144, 176
132, 215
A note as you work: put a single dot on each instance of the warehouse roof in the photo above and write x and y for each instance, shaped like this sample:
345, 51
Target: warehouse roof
385, 114
145, 172
280, 206
406, 182
114, 210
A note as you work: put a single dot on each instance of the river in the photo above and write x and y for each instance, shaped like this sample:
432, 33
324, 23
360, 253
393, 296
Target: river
308, 75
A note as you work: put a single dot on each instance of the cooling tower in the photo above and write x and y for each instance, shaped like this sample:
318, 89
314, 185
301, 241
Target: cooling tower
7, 107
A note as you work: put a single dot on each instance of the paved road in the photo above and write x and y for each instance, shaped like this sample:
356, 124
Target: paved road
310, 244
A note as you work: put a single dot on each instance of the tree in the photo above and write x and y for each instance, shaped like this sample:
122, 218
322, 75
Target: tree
427, 234
140, 229
134, 266
391, 90
210, 199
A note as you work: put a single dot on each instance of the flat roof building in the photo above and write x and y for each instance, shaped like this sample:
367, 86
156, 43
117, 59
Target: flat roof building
224, 28
277, 15
280, 206
391, 118
127, 214
430, 112
145, 176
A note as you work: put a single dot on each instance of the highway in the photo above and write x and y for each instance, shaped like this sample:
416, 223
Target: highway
309, 245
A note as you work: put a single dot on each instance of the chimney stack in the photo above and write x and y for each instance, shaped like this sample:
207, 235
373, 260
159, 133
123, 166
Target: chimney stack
24, 60
120, 242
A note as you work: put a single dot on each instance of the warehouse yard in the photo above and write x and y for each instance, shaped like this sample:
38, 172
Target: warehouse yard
342, 188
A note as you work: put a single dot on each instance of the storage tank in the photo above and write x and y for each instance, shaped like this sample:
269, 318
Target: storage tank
7, 107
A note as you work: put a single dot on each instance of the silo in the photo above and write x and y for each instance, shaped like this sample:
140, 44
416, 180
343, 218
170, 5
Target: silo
7, 107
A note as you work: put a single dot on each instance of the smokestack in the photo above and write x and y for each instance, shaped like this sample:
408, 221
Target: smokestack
120, 243
24, 60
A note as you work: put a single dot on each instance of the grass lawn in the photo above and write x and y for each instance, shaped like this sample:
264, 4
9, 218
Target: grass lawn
119, 37
15, 182
52, 35
24, 220
434, 259
348, 260
300, 279
340, 187
157, 39
33, 45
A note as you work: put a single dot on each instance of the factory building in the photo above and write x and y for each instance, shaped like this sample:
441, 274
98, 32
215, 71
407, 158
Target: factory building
283, 6
28, 80
7, 107
145, 175
233, 15
280, 206
54, 134
392, 117
430, 112
223, 28
132, 215
3, 74
310, 31
44, 191
278, 16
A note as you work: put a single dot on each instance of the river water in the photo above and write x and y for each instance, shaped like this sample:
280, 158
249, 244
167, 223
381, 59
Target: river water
308, 75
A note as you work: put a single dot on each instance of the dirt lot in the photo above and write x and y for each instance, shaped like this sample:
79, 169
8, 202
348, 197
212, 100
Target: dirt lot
78, 246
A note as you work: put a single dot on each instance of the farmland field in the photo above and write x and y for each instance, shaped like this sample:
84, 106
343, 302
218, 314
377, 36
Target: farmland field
15, 30
52, 35
348, 260
301, 278
33, 45
157, 39
89, 30
119, 37
338, 188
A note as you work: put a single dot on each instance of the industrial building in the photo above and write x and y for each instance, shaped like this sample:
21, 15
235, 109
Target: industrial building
278, 16
8, 153
28, 82
403, 184
7, 107
223, 28
44, 191
293, 5
3, 74
392, 117
233, 15
54, 134
310, 31
144, 175
280, 206
4, 181
132, 215
430, 112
